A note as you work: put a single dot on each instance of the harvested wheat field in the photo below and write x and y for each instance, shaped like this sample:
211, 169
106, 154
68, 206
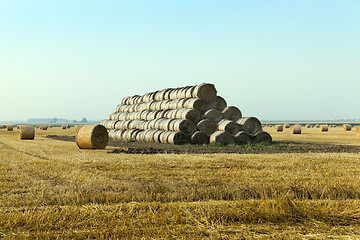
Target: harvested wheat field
302, 186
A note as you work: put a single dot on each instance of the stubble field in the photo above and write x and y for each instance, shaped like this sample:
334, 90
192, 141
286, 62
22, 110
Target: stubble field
51, 189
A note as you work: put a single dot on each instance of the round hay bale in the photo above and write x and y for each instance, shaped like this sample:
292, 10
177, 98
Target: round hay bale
2, 126
92, 137
199, 137
118, 135
125, 100
229, 126
205, 91
27, 132
165, 104
190, 114
112, 134
164, 136
223, 138
157, 135
232, 113
263, 137
9, 128
251, 125
307, 126
296, 129
181, 93
347, 127
286, 125
214, 115
173, 94
178, 138
217, 103
242, 138
190, 91
199, 104
165, 124
279, 128
206, 126
44, 127
181, 102
183, 125
324, 128
173, 104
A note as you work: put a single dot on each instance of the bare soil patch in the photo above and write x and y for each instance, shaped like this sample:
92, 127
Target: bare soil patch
276, 147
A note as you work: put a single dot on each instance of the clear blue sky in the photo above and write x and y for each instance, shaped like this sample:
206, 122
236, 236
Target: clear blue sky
276, 60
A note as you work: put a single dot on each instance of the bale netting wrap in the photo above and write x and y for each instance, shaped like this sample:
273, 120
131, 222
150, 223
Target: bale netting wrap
204, 91
214, 115
222, 137
199, 137
229, 126
27, 132
279, 128
217, 103
206, 126
242, 138
92, 137
262, 137
232, 113
251, 125
324, 128
347, 127
296, 129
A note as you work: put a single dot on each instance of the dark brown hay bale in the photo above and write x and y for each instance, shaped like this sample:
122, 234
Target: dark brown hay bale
347, 127
262, 136
229, 126
178, 138
296, 129
206, 126
199, 137
190, 114
232, 113
9, 128
205, 91
251, 125
222, 137
279, 128
92, 137
27, 132
198, 104
324, 128
183, 125
243, 137
214, 115
217, 103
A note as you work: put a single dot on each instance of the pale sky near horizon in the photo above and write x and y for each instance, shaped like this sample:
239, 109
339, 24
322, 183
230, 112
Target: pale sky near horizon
273, 59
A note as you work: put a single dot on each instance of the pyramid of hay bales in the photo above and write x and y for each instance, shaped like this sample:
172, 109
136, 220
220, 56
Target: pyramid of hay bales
185, 115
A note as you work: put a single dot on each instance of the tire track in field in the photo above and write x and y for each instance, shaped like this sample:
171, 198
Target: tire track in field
24, 152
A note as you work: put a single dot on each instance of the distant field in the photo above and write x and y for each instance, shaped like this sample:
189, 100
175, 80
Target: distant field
51, 189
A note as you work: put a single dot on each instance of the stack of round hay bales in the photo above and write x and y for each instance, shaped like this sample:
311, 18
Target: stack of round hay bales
191, 114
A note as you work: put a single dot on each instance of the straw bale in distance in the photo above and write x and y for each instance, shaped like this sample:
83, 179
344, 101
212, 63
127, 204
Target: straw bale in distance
229, 126
347, 127
324, 128
232, 113
199, 137
205, 91
251, 125
10, 128
262, 136
217, 103
279, 128
296, 129
222, 137
286, 125
214, 115
207, 126
92, 137
27, 132
243, 137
